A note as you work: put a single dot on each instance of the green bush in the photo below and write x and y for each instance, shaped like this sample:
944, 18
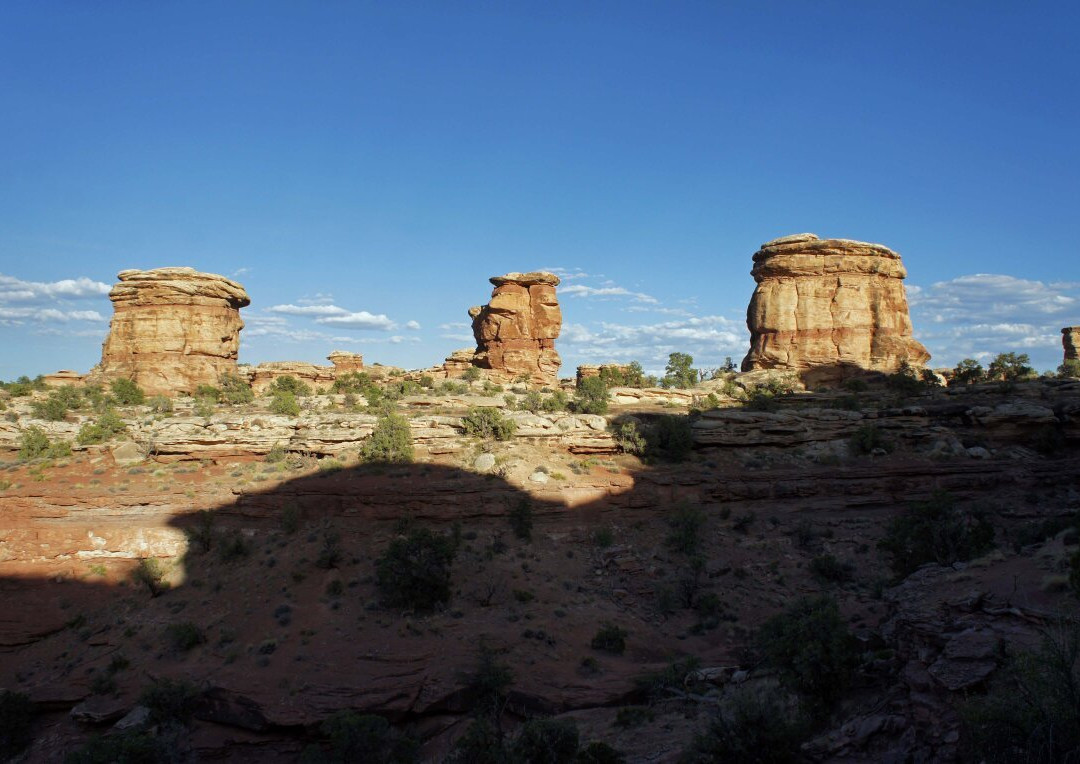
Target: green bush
610, 639
631, 375
160, 404
671, 438
556, 402
1031, 710
151, 574
1010, 367
591, 396
521, 519
390, 441
284, 402
234, 389
481, 743
58, 449
133, 746
967, 372
1070, 369
630, 439
812, 650
33, 443
686, 522
414, 571
184, 636
57, 405
127, 393
488, 423
471, 374
16, 712
351, 737
750, 728
679, 371
287, 383
547, 741
867, 438
354, 382
935, 531
107, 425
208, 391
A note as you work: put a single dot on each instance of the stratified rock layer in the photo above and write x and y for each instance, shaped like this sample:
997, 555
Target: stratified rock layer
516, 331
829, 308
172, 330
1070, 339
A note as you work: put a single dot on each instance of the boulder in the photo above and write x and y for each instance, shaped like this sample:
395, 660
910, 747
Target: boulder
172, 330
829, 309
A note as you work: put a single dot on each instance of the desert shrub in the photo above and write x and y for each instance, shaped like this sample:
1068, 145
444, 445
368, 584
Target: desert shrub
603, 537
471, 374
107, 424
1010, 367
705, 403
290, 518
276, 454
208, 391
184, 636
234, 389
935, 531
679, 371
657, 684
598, 752
414, 571
232, 545
750, 728
284, 402
352, 737
58, 449
765, 396
33, 443
591, 396
671, 438
330, 554
55, 407
287, 383
204, 406
1031, 710
867, 438
126, 392
24, 386
812, 650
557, 401
855, 385
907, 380
610, 639
521, 519
151, 574
200, 533
449, 387
15, 714
354, 382
631, 375
686, 522
488, 423
1069, 369
547, 741
390, 441
170, 700
160, 404
827, 568
133, 746
481, 743
629, 437
488, 685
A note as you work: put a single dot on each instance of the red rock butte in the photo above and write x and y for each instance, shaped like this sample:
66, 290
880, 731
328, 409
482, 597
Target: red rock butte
828, 309
172, 330
516, 331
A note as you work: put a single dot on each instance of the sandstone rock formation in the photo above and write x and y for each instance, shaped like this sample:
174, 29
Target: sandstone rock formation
172, 330
345, 362
829, 308
314, 376
516, 331
63, 378
1070, 339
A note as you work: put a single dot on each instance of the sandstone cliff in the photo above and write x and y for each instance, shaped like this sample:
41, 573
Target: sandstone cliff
172, 330
516, 331
829, 308
1070, 338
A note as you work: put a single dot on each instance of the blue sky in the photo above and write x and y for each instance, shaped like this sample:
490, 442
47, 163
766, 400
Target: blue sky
385, 159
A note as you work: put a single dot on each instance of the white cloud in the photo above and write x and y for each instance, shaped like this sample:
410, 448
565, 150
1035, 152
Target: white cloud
17, 290
455, 325
320, 309
360, 320
580, 290
570, 274
413, 325
983, 314
16, 315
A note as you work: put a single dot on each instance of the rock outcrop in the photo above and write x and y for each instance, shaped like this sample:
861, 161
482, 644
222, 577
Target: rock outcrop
314, 376
829, 309
346, 362
1070, 339
172, 330
516, 331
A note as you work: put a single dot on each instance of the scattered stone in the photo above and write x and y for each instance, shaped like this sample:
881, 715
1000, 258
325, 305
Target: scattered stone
128, 453
484, 463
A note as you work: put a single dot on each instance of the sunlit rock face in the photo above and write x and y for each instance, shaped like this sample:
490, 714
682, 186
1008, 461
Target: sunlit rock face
516, 331
172, 330
1070, 339
829, 308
